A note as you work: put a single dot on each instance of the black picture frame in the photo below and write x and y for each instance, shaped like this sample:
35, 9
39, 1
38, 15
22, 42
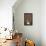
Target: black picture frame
28, 18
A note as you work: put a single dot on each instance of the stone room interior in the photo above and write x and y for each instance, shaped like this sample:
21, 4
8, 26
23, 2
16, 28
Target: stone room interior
22, 22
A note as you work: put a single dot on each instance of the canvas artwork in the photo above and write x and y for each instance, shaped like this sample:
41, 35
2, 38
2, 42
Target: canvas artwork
28, 18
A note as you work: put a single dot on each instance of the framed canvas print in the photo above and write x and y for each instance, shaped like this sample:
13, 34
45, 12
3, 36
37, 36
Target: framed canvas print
28, 18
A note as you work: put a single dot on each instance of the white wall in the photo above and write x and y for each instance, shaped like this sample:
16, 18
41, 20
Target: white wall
38, 7
31, 32
43, 22
6, 13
